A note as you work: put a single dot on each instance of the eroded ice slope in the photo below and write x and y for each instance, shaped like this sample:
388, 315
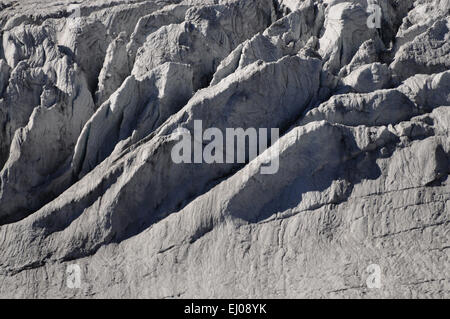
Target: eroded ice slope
90, 104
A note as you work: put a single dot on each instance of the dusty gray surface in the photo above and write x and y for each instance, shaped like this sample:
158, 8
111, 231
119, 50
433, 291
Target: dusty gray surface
90, 104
